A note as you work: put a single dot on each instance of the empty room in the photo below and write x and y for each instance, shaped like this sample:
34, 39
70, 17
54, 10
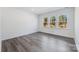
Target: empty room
37, 29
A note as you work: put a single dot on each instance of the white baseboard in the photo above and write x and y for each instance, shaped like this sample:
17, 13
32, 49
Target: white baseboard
16, 35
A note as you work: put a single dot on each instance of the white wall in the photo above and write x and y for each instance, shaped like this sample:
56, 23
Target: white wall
17, 22
0, 23
0, 29
68, 32
77, 27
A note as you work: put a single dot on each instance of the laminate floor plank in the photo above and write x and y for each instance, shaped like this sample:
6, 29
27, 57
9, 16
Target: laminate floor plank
39, 42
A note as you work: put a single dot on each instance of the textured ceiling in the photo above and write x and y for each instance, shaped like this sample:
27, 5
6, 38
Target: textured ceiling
39, 10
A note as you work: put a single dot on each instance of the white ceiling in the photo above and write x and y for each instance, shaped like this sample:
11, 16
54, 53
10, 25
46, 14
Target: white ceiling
39, 10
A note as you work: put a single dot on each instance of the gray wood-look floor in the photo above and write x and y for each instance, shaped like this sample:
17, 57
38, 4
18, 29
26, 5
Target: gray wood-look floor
39, 42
